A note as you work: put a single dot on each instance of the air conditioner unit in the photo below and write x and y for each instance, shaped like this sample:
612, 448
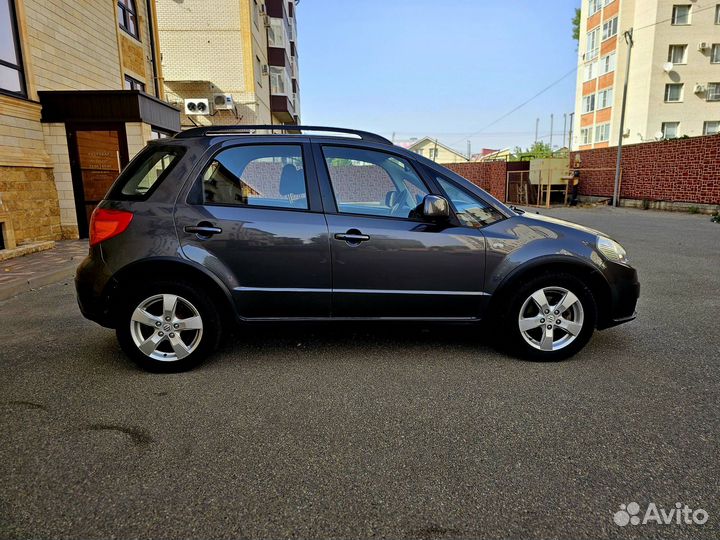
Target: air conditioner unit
197, 106
265, 70
699, 88
223, 102
702, 45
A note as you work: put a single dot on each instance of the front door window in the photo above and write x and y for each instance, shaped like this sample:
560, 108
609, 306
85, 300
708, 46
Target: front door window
373, 183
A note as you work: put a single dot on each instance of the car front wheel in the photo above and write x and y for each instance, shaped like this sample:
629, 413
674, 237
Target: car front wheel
550, 317
168, 327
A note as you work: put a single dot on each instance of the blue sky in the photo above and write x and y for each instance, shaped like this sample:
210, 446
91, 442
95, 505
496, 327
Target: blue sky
444, 68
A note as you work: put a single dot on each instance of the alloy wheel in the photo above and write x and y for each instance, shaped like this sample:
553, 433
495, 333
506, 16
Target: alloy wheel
551, 318
166, 327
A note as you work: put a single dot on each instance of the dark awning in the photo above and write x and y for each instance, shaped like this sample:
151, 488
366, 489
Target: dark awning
108, 106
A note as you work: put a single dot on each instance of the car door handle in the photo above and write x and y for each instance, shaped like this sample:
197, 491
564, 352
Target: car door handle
352, 237
203, 230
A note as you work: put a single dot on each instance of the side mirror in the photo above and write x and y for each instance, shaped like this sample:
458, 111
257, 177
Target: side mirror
435, 207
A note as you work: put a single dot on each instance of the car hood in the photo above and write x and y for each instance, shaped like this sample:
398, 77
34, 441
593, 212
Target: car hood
562, 223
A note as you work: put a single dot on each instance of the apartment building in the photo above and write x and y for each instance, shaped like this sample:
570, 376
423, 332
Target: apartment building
674, 77
78, 98
230, 61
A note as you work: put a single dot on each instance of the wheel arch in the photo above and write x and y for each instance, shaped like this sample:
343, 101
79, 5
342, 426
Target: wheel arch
167, 268
591, 276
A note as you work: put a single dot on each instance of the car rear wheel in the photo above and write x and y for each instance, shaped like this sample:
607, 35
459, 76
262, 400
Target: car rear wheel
168, 327
550, 317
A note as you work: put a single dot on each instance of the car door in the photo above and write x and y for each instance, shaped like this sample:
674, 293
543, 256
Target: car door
254, 218
387, 261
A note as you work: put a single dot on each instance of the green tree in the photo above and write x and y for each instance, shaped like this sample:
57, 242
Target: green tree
576, 25
539, 148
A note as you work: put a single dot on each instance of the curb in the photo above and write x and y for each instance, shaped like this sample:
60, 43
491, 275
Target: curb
35, 282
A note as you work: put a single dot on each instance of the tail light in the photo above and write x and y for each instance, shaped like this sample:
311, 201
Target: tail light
106, 224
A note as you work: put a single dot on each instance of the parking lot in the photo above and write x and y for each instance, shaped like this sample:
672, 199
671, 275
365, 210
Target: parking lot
374, 431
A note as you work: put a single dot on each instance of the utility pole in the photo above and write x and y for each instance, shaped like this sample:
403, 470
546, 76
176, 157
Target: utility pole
570, 132
551, 130
564, 127
616, 190
393, 138
469, 150
537, 125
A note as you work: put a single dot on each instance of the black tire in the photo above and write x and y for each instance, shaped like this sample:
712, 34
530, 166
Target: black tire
508, 330
204, 343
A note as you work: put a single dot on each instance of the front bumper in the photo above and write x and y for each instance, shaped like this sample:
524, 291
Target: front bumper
624, 294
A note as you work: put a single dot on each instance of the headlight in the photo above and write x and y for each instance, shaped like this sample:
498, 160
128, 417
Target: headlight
611, 250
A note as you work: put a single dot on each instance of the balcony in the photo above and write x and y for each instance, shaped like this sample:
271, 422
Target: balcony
283, 107
275, 8
278, 57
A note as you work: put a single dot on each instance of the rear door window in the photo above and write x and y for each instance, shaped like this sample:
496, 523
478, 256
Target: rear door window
257, 175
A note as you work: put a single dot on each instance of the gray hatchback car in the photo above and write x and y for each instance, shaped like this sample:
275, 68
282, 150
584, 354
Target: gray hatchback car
222, 226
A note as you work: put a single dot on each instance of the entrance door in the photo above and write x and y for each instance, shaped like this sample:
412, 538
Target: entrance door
97, 155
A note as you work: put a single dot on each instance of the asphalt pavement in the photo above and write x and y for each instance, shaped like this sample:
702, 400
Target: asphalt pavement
344, 431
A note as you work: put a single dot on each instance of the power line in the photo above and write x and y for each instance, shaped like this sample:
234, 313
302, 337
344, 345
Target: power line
538, 94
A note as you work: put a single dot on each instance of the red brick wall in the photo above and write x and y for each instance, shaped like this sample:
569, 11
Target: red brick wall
489, 175
682, 170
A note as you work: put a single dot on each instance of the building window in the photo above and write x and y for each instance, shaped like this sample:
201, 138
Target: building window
713, 91
12, 78
677, 54
670, 130
588, 103
276, 33
133, 84
156, 134
279, 81
590, 70
715, 54
673, 92
586, 135
602, 133
593, 7
593, 44
127, 17
609, 28
258, 71
607, 63
256, 14
711, 128
717, 14
606, 2
604, 98
681, 14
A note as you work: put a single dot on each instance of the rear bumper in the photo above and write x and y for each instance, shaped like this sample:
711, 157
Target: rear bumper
91, 279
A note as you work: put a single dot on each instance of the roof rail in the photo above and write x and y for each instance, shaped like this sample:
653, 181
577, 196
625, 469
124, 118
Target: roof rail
207, 131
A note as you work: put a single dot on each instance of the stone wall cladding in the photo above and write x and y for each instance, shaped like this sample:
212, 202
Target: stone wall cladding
679, 170
30, 197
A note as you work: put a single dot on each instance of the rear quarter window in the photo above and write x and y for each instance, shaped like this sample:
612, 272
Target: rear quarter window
145, 173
